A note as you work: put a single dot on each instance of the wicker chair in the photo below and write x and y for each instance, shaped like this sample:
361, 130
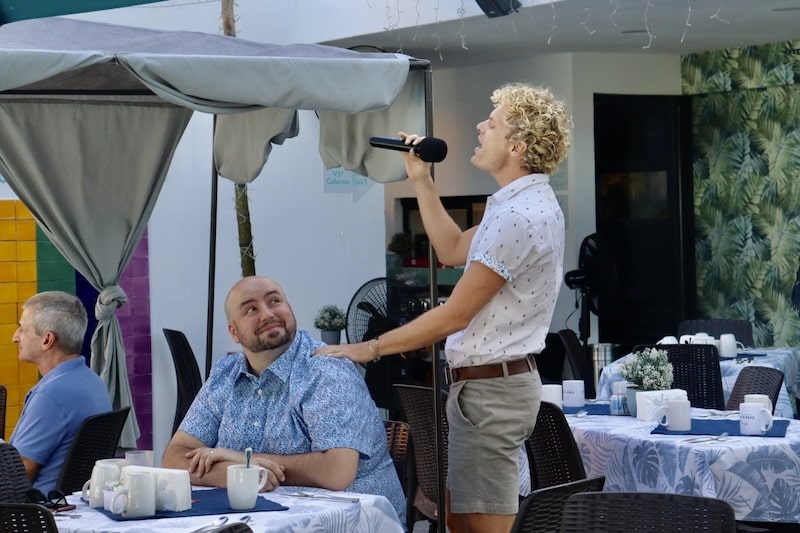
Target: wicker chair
187, 374
3, 402
13, 477
553, 455
645, 512
541, 510
26, 518
756, 380
397, 434
417, 405
580, 364
741, 329
97, 438
695, 369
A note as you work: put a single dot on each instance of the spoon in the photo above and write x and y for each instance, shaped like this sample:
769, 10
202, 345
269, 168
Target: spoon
248, 453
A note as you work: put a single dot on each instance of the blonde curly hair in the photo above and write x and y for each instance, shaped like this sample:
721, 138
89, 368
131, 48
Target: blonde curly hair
537, 118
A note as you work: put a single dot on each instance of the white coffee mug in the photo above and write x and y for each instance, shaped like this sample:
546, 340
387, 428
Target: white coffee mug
552, 393
669, 339
762, 399
573, 393
104, 472
728, 345
140, 458
244, 484
754, 419
138, 496
676, 415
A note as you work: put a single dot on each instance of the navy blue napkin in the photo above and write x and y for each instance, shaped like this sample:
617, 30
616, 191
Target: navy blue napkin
745, 355
590, 408
708, 426
204, 502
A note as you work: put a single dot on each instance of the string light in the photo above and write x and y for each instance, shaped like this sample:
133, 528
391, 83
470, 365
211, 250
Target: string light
553, 25
688, 24
585, 22
647, 26
716, 14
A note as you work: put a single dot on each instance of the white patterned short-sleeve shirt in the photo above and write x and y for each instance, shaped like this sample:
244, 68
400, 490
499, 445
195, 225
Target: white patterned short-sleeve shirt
521, 238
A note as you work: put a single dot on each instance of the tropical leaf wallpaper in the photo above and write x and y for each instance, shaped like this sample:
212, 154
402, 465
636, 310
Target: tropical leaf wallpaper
746, 172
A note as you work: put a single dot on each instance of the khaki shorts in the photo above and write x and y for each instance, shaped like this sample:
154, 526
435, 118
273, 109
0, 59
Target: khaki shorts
489, 420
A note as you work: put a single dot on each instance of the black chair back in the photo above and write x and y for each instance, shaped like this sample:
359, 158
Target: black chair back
695, 369
26, 518
646, 512
417, 404
756, 380
579, 361
96, 439
187, 373
3, 402
13, 477
553, 455
541, 510
550, 362
741, 329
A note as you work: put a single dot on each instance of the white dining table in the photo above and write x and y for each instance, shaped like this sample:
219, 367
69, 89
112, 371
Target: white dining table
369, 514
758, 476
785, 359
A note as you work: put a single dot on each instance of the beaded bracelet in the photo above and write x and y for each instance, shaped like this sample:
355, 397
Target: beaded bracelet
373, 349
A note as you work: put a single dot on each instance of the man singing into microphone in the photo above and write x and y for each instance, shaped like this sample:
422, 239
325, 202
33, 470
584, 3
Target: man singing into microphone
499, 312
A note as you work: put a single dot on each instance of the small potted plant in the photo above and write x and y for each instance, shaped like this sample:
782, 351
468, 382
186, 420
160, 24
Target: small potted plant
330, 321
648, 369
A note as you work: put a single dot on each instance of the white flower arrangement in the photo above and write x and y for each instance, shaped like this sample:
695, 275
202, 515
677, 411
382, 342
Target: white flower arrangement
649, 368
330, 318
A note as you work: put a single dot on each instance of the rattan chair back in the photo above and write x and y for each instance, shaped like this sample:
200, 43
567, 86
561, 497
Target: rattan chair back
187, 373
418, 407
14, 479
3, 403
695, 369
646, 512
756, 380
553, 455
541, 510
96, 438
397, 435
26, 518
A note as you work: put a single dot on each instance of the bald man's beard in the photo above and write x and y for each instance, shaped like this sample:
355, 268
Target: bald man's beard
276, 339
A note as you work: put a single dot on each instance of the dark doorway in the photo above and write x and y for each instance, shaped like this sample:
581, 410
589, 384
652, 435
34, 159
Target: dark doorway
643, 185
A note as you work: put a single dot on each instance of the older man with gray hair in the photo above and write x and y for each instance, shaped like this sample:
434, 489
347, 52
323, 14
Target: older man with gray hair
50, 336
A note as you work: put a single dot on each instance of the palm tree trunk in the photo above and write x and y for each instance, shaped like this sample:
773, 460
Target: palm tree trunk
246, 253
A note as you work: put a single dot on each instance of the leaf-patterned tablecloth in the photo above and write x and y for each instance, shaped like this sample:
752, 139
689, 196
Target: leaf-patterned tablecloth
758, 476
784, 359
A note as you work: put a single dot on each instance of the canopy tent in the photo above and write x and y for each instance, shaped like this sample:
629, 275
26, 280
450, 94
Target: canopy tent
91, 113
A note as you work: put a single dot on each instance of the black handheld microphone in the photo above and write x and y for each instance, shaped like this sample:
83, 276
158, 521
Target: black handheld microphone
431, 149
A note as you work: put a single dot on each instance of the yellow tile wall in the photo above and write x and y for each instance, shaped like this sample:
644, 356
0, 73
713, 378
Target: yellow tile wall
17, 284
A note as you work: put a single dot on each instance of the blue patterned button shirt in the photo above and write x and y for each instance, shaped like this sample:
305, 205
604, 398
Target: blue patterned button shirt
299, 404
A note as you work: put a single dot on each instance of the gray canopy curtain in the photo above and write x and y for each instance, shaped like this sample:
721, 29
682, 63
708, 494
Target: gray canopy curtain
93, 208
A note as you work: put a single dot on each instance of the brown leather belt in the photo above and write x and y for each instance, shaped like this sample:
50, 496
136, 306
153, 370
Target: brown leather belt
496, 370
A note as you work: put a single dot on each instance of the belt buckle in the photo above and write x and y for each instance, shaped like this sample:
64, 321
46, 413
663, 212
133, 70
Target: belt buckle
449, 376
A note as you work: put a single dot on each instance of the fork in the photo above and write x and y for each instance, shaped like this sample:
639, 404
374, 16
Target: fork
711, 438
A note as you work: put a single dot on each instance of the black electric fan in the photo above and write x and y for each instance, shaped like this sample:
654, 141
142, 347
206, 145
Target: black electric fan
596, 279
376, 308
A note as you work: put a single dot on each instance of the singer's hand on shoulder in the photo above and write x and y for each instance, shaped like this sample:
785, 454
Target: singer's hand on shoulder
358, 353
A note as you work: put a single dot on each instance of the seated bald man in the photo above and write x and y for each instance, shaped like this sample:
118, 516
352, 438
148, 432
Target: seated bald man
309, 420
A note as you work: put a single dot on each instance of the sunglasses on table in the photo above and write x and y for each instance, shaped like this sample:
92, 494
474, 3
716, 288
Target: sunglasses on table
55, 500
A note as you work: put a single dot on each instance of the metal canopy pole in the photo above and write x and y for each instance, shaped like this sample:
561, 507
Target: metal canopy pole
436, 373
212, 256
